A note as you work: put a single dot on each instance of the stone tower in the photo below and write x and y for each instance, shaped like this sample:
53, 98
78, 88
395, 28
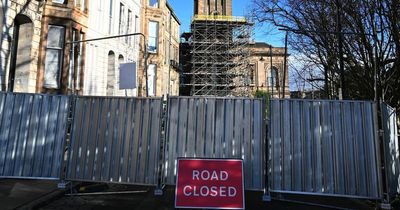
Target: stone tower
213, 7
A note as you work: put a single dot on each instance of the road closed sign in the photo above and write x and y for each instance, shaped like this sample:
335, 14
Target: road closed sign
210, 184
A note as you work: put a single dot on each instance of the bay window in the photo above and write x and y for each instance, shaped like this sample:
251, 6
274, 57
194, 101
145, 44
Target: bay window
54, 55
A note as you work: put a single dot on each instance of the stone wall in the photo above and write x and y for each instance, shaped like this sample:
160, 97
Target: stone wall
25, 76
218, 7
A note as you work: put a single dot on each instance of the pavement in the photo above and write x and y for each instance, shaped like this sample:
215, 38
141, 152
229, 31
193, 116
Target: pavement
24, 194
44, 195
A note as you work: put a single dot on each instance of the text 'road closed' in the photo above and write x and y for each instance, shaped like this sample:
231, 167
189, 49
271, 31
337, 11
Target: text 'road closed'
210, 183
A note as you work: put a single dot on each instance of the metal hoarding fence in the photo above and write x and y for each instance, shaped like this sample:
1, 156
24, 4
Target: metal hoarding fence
316, 147
32, 137
115, 140
324, 148
216, 128
391, 148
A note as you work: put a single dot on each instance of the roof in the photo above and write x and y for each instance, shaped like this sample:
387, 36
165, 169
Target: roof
262, 45
173, 13
263, 49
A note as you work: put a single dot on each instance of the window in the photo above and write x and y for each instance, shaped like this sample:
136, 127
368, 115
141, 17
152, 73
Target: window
196, 7
121, 18
272, 77
99, 5
135, 30
208, 7
75, 63
169, 22
110, 74
72, 59
129, 27
153, 3
136, 22
54, 55
79, 63
151, 79
167, 52
80, 4
59, 1
223, 7
111, 17
153, 37
252, 73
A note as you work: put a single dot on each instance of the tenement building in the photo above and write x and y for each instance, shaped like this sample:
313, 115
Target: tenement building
103, 57
61, 63
161, 27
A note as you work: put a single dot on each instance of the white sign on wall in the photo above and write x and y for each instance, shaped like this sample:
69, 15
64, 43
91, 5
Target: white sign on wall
127, 76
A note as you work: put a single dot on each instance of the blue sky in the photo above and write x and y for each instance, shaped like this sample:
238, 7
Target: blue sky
184, 11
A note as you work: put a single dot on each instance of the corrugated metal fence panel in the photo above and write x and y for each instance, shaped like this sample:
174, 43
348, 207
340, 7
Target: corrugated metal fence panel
216, 128
391, 145
116, 140
324, 147
32, 136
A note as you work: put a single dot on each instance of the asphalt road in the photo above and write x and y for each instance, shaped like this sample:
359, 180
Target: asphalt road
145, 199
39, 194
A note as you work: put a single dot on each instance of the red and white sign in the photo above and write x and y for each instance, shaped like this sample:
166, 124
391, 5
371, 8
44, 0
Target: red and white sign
209, 183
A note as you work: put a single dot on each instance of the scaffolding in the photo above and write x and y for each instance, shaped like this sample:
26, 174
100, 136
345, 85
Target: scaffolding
219, 56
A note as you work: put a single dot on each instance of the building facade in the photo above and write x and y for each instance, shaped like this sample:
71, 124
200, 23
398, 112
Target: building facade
213, 7
161, 27
61, 63
103, 57
19, 41
268, 72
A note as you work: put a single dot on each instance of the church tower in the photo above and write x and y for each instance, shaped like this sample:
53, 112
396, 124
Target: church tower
217, 54
213, 7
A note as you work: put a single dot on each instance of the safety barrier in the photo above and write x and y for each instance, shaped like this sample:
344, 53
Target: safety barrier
116, 140
32, 135
313, 147
324, 148
216, 128
391, 150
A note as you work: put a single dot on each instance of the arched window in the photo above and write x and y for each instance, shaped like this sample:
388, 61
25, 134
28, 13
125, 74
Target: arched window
196, 7
111, 73
273, 77
208, 7
120, 59
223, 7
21, 55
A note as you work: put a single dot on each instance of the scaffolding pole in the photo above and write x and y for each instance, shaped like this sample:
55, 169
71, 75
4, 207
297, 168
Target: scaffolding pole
220, 56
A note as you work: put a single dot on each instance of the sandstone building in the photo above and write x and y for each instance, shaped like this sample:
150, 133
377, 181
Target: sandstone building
267, 70
161, 27
61, 64
213, 7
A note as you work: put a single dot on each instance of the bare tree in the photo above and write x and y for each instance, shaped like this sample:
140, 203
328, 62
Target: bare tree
370, 41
